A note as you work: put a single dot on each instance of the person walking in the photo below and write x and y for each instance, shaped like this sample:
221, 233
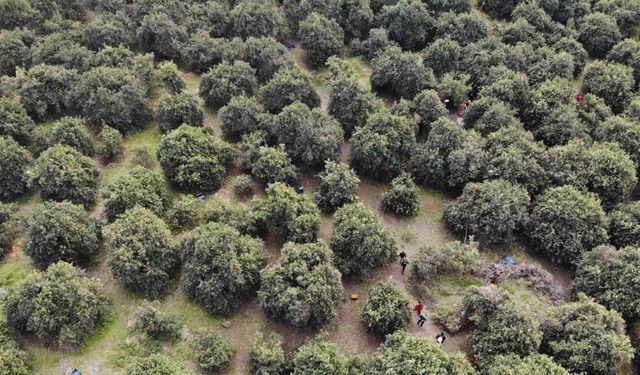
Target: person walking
419, 307
403, 262
422, 318
440, 338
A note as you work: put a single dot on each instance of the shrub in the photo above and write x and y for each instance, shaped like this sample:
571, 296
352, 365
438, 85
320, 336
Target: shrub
60, 305
266, 55
169, 76
585, 337
386, 309
62, 173
14, 52
608, 276
271, 165
212, 351
110, 143
225, 80
401, 73
449, 317
321, 38
15, 122
14, 164
157, 325
60, 50
359, 242
60, 231
256, 18
221, 266
624, 225
141, 156
157, 33
184, 213
624, 132
155, 363
417, 355
612, 82
452, 258
287, 87
383, 146
598, 33
429, 107
626, 53
45, 89
8, 232
534, 364
202, 52
303, 288
140, 187
594, 111
193, 159
492, 211
68, 131
319, 356
310, 137
349, 103
242, 186
107, 30
143, 258
403, 197
408, 23
565, 223
338, 186
633, 110
176, 110
267, 356
242, 115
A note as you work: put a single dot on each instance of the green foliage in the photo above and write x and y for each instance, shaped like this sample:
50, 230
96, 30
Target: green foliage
202, 52
449, 259
225, 80
44, 90
140, 65
349, 103
68, 131
303, 288
491, 211
506, 329
242, 115
256, 18
184, 213
402, 199
267, 356
383, 146
176, 110
401, 73
140, 187
221, 266
633, 110
14, 164
319, 356
8, 232
60, 231
157, 325
13, 52
155, 364
143, 257
62, 173
321, 38
266, 55
359, 242
141, 156
110, 143
464, 28
242, 186
612, 82
575, 49
386, 309
499, 9
609, 276
193, 159
624, 132
310, 137
627, 52
564, 223
170, 77
269, 165
409, 23
288, 86
442, 56
158, 33
428, 106
355, 17
585, 337
60, 305
338, 186
14, 121
594, 111
212, 352
598, 33
402, 353
488, 115
107, 30
60, 50
624, 225
114, 96
533, 364
448, 317
15, 13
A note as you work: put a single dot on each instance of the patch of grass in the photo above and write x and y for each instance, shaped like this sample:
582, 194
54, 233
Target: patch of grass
451, 285
14, 269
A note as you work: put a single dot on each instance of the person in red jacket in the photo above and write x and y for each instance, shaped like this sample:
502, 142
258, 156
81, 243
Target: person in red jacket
419, 307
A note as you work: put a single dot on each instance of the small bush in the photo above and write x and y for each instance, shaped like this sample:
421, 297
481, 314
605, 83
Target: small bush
242, 186
212, 351
184, 213
110, 143
267, 355
449, 317
142, 156
158, 326
402, 199
386, 310
451, 258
